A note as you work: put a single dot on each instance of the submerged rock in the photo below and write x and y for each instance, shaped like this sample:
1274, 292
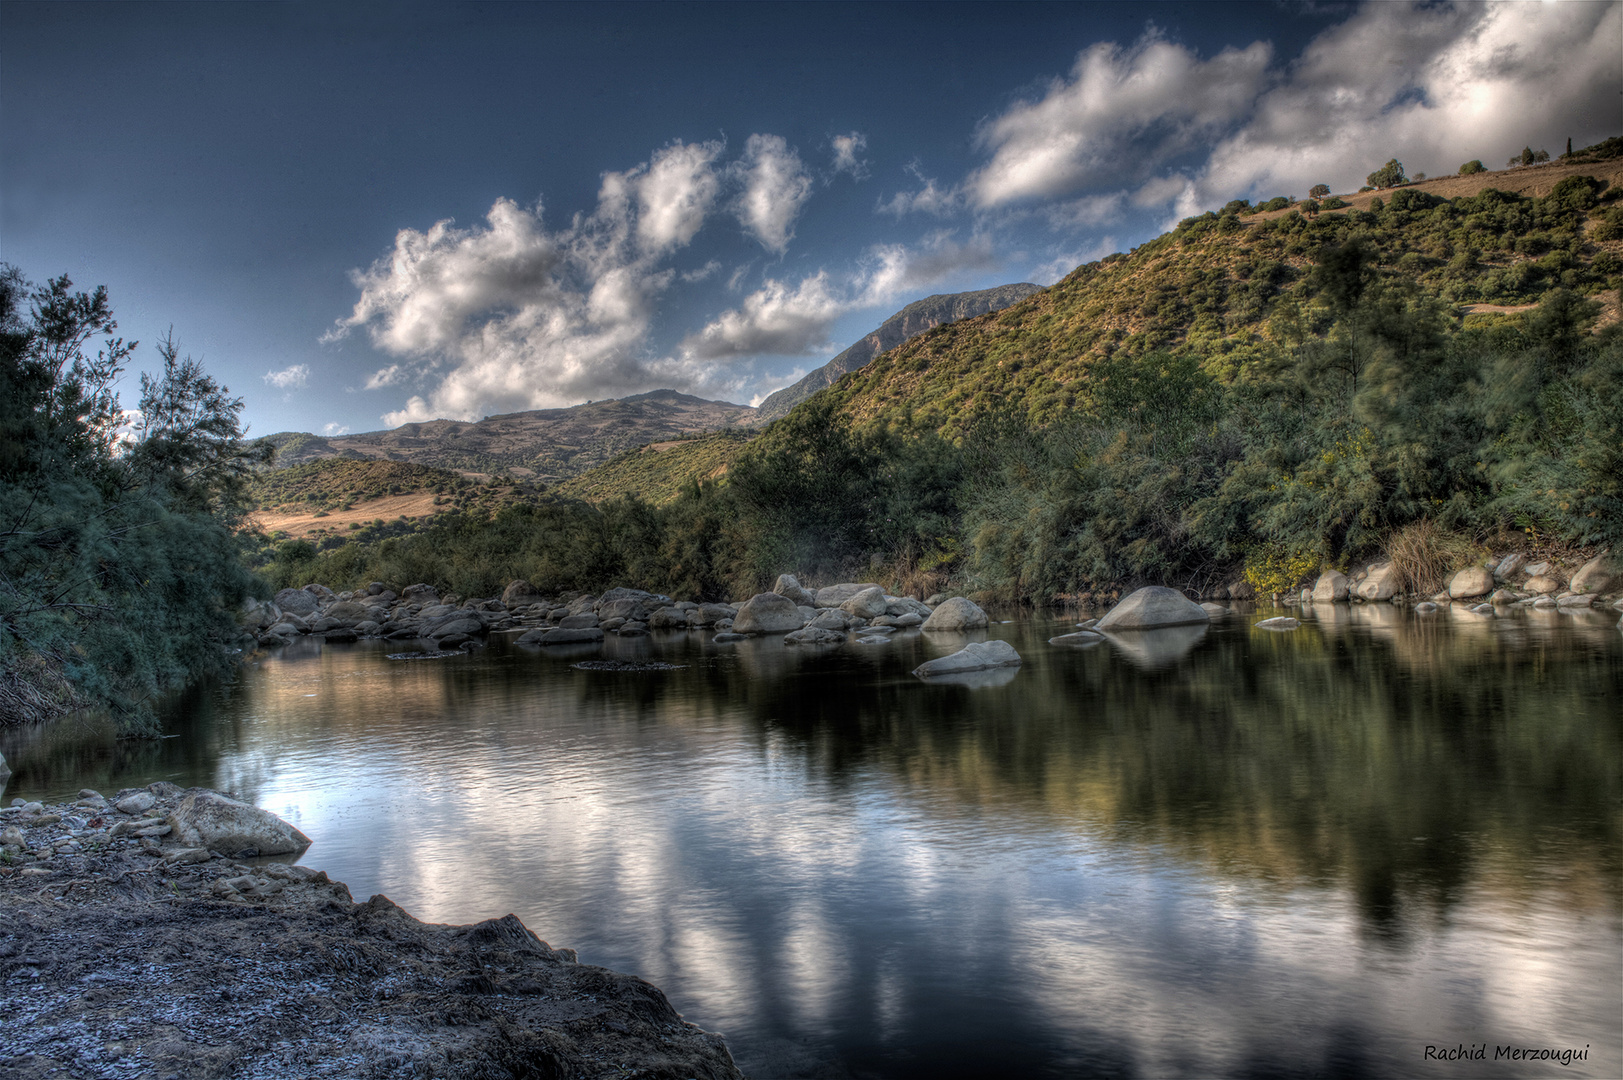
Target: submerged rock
1278, 622
976, 656
1151, 607
1081, 637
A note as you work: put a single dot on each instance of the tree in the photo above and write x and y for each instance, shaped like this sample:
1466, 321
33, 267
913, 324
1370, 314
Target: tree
1528, 157
120, 571
1473, 166
1388, 175
1319, 191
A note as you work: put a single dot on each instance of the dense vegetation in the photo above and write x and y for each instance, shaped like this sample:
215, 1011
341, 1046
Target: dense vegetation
120, 566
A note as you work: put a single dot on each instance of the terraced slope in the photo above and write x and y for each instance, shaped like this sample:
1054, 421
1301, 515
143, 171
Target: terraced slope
1230, 286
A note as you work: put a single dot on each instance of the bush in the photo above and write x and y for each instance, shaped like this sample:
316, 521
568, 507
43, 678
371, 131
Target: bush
1388, 175
1472, 166
1319, 191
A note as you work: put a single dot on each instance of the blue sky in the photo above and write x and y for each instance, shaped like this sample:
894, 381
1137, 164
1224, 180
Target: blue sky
361, 215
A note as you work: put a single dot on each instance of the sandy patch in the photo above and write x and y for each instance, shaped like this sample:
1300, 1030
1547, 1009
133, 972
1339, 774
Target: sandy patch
305, 523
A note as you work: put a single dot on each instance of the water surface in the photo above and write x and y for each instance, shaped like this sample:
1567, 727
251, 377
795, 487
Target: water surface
1230, 852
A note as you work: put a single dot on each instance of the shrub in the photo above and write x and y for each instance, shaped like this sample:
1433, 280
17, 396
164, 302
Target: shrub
1473, 166
1319, 191
1388, 175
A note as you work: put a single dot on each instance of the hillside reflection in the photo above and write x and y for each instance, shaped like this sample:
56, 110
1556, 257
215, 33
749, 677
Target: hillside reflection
1402, 755
1171, 854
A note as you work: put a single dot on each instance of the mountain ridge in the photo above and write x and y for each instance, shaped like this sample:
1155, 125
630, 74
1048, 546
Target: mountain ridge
914, 319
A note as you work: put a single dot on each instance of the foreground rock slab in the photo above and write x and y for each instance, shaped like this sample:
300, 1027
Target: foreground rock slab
1151, 607
150, 959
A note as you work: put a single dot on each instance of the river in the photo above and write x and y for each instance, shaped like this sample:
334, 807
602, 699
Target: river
1227, 852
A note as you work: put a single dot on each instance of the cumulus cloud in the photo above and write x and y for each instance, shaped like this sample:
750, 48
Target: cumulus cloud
779, 319
1432, 84
1122, 111
388, 376
333, 430
929, 199
289, 378
775, 186
512, 313
524, 316
847, 149
675, 192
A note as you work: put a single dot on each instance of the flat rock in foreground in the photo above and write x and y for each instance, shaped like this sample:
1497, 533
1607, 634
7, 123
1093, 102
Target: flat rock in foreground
1151, 607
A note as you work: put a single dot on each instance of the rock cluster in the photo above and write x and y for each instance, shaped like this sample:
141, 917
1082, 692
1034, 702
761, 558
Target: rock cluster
1497, 582
129, 953
825, 616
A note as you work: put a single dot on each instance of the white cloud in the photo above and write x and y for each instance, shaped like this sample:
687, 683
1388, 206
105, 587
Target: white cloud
510, 314
776, 319
333, 430
776, 185
929, 199
1432, 86
289, 378
525, 317
674, 194
388, 376
846, 151
783, 320
1120, 114
702, 272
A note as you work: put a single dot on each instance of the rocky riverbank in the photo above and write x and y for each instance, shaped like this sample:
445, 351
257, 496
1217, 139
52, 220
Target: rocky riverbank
419, 612
146, 934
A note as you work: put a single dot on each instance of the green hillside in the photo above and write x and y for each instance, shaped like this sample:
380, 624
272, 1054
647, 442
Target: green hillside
1234, 288
341, 483
658, 472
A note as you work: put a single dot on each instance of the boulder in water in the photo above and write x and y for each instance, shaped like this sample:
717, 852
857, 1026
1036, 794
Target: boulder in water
1151, 607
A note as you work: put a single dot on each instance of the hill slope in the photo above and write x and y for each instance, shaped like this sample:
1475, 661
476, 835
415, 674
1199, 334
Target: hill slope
658, 472
912, 320
1231, 285
545, 444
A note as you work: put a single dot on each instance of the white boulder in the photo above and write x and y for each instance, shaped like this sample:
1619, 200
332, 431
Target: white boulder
955, 615
1151, 607
220, 823
976, 656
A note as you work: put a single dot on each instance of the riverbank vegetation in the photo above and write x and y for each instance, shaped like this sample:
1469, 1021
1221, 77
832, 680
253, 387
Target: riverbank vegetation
120, 564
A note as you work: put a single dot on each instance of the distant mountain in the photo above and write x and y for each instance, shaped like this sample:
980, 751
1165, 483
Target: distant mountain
911, 321
546, 444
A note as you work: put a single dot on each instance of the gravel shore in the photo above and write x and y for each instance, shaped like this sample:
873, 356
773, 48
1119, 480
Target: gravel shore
125, 954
